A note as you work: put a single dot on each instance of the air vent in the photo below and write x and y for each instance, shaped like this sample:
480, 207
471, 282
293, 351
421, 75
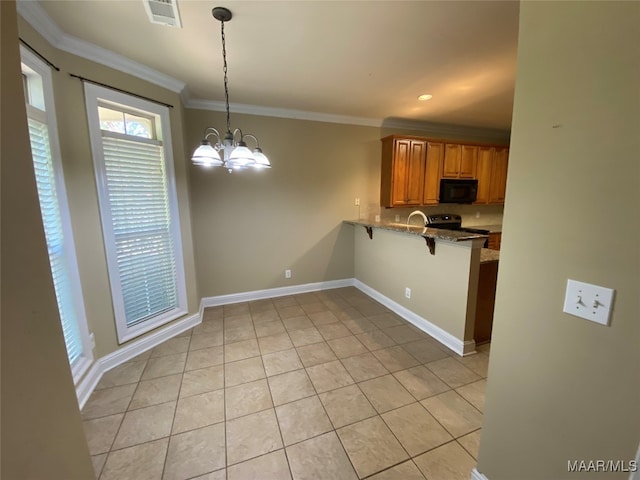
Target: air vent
164, 12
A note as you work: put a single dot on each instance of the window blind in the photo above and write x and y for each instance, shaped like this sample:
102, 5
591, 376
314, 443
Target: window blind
137, 192
54, 234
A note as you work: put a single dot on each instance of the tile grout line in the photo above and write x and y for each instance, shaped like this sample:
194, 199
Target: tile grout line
465, 448
124, 414
305, 369
224, 400
175, 411
334, 430
275, 414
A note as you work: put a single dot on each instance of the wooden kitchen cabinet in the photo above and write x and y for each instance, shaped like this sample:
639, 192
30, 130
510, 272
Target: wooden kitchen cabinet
485, 162
495, 239
492, 174
412, 167
452, 156
460, 161
402, 176
499, 175
432, 173
485, 302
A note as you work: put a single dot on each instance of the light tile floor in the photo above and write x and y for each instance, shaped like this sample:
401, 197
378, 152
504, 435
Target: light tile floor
325, 386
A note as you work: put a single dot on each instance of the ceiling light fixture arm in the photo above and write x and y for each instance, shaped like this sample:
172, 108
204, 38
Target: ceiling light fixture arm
209, 131
254, 138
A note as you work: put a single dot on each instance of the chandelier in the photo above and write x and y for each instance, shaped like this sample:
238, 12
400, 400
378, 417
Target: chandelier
235, 153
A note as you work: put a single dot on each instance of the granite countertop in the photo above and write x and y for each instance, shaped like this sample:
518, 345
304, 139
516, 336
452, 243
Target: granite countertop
487, 255
449, 235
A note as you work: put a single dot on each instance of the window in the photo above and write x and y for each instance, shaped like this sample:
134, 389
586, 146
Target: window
132, 154
55, 211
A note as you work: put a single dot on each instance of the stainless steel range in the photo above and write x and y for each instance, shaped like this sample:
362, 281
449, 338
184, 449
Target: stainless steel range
451, 221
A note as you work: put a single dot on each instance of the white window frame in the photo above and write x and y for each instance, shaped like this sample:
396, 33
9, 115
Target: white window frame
96, 95
48, 116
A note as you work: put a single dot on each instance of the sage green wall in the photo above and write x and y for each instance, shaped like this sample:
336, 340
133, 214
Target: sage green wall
42, 434
81, 185
562, 388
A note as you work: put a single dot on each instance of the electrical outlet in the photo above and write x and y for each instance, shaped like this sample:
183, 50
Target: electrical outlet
357, 202
377, 218
287, 273
477, 214
588, 301
397, 218
92, 340
407, 292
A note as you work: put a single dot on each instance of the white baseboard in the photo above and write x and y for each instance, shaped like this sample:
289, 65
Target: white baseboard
476, 475
455, 344
131, 350
135, 348
88, 383
274, 292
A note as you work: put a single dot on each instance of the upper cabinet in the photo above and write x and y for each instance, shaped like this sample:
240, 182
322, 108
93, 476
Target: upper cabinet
498, 184
403, 163
460, 161
492, 174
413, 166
432, 173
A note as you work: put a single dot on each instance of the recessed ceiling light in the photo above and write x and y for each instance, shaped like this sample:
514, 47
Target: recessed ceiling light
424, 97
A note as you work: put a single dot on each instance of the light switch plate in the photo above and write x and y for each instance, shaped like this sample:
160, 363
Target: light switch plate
588, 301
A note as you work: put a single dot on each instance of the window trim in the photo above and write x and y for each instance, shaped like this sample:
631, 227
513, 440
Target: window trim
48, 116
95, 96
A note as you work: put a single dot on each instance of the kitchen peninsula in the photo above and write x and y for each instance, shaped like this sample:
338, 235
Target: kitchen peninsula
434, 288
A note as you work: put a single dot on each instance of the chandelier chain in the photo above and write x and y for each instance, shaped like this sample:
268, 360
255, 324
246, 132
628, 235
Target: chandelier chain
226, 86
237, 156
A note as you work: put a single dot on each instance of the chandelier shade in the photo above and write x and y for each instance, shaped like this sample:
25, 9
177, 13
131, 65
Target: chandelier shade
261, 159
206, 156
235, 153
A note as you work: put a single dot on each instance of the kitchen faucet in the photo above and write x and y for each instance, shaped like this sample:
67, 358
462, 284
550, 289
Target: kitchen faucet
417, 212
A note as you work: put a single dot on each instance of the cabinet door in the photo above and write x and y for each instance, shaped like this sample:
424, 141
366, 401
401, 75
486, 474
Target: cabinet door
433, 167
400, 168
499, 175
483, 172
495, 239
415, 174
408, 172
452, 156
468, 161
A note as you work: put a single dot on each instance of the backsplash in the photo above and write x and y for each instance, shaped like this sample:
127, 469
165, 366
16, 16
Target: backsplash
472, 215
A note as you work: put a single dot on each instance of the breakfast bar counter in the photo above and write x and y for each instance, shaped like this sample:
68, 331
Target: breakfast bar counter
437, 292
435, 233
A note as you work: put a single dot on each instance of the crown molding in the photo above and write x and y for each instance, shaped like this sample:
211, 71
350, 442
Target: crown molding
449, 130
435, 129
37, 17
201, 104
32, 12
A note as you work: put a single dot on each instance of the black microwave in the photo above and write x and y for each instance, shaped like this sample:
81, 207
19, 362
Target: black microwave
456, 190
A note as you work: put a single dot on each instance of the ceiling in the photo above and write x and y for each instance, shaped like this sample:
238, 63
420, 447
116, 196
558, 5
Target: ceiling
366, 59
